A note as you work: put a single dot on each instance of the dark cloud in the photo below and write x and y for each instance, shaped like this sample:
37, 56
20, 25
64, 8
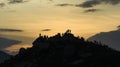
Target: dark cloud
50, 0
10, 30
46, 30
2, 4
17, 1
88, 4
91, 10
65, 4
91, 3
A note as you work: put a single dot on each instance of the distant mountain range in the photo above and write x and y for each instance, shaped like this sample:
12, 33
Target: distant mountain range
4, 56
11, 40
112, 39
4, 42
23, 39
65, 50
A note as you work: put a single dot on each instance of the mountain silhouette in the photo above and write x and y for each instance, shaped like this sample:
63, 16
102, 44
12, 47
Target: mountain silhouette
112, 39
64, 50
4, 56
5, 42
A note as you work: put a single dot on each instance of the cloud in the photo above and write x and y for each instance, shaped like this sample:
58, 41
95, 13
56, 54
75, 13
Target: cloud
91, 10
17, 1
92, 3
46, 30
2, 4
65, 4
50, 0
10, 30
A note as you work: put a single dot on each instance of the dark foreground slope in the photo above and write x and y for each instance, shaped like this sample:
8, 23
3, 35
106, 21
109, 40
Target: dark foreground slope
65, 50
4, 56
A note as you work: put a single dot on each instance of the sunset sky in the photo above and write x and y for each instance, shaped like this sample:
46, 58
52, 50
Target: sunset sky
36, 15
52, 16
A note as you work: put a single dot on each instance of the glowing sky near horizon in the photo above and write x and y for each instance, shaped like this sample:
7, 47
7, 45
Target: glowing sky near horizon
36, 15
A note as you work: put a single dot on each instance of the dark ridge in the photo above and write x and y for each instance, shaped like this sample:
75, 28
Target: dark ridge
4, 56
4, 42
64, 50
